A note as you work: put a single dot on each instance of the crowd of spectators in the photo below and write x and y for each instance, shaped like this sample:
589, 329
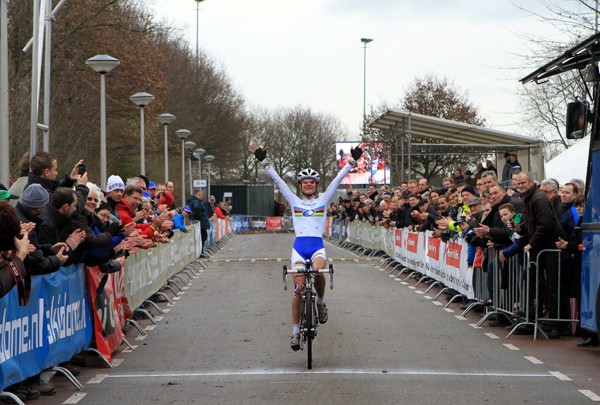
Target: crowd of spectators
503, 216
47, 222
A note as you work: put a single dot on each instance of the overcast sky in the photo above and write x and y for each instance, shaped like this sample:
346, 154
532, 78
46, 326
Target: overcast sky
290, 52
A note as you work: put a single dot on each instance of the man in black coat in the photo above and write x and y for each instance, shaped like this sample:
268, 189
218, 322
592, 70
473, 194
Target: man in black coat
46, 258
544, 230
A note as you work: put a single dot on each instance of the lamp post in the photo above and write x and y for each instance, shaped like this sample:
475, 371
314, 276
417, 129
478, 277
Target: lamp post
198, 155
142, 100
182, 134
189, 145
209, 159
365, 41
164, 120
102, 64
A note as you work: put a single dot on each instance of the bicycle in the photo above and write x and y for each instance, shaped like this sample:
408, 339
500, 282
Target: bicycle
309, 321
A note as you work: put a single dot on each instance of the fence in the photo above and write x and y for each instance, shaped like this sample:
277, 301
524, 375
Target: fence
67, 311
516, 282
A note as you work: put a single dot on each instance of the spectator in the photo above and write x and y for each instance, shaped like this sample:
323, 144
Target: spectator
132, 197
372, 192
489, 178
448, 183
179, 219
458, 177
423, 185
515, 229
404, 186
221, 210
45, 258
544, 231
490, 166
199, 214
469, 179
507, 169
480, 170
56, 222
114, 193
580, 186
14, 245
550, 188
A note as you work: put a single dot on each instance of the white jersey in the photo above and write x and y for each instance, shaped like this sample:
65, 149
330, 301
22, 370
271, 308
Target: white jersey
309, 215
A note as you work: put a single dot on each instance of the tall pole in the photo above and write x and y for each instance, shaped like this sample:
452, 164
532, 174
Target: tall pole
183, 173
142, 149
166, 154
365, 41
190, 169
34, 80
103, 129
208, 183
4, 136
47, 71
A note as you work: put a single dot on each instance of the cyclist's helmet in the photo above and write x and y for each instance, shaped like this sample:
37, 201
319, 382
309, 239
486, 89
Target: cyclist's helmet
308, 174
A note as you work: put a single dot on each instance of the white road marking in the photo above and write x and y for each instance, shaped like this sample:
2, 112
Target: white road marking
429, 297
158, 318
175, 298
117, 362
404, 282
412, 287
591, 395
419, 292
437, 303
391, 275
474, 326
150, 327
560, 376
491, 335
141, 337
511, 347
460, 317
75, 398
97, 379
448, 310
534, 360
281, 372
166, 310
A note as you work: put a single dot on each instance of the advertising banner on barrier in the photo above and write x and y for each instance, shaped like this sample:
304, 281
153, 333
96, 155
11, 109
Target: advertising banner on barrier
444, 262
108, 319
51, 329
274, 223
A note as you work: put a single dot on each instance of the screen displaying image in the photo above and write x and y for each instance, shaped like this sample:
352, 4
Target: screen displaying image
371, 168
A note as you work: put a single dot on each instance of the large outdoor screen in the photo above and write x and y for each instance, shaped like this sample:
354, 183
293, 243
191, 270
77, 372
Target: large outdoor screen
372, 167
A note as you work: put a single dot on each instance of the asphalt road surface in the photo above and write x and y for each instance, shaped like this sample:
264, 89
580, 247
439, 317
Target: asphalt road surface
226, 341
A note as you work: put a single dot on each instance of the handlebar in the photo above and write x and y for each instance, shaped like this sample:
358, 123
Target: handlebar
306, 271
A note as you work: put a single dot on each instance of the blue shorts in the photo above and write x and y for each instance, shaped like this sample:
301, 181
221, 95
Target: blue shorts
307, 247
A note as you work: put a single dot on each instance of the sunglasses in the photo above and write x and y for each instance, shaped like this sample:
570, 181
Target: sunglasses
93, 199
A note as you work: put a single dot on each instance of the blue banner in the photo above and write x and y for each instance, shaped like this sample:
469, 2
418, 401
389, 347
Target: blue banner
51, 329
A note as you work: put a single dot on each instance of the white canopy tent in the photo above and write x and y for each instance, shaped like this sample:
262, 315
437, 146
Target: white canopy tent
571, 164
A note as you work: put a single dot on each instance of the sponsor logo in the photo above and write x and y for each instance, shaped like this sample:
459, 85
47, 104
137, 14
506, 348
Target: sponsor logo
433, 248
412, 242
453, 254
398, 237
308, 213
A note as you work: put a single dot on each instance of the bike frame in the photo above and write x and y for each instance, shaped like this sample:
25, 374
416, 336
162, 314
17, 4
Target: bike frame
309, 322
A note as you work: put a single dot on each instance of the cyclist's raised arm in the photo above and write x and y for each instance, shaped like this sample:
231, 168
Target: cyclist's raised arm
261, 155
333, 186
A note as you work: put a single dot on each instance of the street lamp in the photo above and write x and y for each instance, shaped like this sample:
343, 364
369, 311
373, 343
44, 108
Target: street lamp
142, 100
197, 25
182, 134
102, 64
165, 119
365, 41
198, 155
189, 145
209, 159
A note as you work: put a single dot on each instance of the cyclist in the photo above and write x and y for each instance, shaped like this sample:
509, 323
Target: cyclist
309, 224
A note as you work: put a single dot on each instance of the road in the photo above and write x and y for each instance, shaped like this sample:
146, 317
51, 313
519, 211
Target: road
226, 341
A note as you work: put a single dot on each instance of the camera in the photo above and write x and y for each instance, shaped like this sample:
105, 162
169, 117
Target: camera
81, 169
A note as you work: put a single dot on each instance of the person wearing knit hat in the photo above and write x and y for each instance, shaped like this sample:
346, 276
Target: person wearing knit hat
469, 189
114, 193
35, 196
114, 183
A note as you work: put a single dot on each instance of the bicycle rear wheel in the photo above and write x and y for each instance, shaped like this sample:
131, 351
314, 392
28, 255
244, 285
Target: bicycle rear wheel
308, 325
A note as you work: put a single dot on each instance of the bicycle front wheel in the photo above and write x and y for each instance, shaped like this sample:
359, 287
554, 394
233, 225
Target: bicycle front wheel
308, 325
